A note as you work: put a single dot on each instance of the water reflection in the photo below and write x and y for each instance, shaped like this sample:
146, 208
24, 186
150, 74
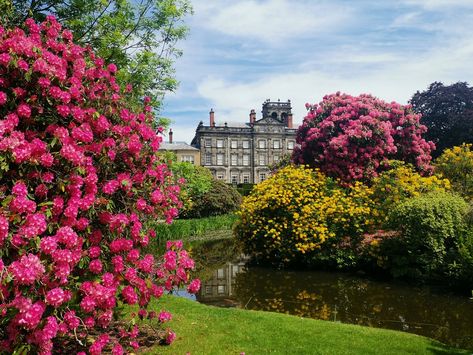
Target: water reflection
337, 297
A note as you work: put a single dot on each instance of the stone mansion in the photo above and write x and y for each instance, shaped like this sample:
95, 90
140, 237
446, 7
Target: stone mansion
241, 153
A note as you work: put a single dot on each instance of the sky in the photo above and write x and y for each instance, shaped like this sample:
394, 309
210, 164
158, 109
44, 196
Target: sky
241, 52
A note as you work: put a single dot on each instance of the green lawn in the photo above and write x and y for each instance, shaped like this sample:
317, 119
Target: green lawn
209, 330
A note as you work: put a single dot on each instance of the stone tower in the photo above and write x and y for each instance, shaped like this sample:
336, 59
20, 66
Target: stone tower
277, 110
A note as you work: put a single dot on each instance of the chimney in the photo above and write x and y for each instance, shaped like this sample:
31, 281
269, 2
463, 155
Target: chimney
289, 120
170, 135
252, 117
212, 118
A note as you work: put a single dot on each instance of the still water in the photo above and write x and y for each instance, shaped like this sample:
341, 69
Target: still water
341, 297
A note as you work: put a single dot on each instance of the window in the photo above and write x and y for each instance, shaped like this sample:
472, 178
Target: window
208, 142
220, 176
262, 159
276, 144
187, 158
220, 273
246, 159
246, 179
261, 144
234, 159
221, 289
219, 143
208, 159
275, 158
262, 177
219, 159
234, 178
234, 144
208, 290
245, 144
290, 145
235, 270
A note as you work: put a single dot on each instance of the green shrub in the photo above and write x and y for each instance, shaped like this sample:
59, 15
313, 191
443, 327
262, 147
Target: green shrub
245, 189
456, 164
432, 229
300, 216
219, 199
401, 182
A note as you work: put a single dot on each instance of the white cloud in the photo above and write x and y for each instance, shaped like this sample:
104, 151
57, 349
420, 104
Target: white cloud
394, 81
272, 21
325, 47
439, 4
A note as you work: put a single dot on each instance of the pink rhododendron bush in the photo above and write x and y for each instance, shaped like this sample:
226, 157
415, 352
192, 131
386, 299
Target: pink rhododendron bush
79, 179
351, 137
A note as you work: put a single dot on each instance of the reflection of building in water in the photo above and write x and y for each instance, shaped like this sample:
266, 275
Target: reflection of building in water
219, 288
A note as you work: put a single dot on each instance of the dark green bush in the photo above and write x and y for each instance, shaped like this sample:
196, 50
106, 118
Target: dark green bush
433, 231
219, 199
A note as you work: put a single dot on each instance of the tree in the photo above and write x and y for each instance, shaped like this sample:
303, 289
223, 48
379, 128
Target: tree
138, 36
447, 111
352, 138
198, 181
81, 186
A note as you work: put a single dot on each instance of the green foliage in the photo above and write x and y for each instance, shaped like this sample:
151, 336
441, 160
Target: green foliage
219, 199
447, 111
139, 37
432, 229
191, 229
198, 178
283, 162
401, 182
456, 164
245, 189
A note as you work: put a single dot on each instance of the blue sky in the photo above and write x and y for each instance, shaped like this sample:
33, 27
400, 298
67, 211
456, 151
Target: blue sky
241, 52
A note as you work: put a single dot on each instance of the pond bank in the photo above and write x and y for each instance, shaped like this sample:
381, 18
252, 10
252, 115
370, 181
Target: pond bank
209, 330
227, 281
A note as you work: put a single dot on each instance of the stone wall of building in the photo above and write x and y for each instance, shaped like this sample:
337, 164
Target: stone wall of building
242, 153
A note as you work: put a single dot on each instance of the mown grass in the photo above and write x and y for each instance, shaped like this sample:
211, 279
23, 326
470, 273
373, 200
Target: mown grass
209, 330
215, 227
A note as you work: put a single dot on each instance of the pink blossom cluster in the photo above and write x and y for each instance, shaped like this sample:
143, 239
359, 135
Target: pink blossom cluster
352, 137
82, 185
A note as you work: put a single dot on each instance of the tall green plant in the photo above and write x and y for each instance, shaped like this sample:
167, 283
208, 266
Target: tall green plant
140, 37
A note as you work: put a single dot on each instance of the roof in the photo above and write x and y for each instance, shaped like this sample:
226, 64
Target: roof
232, 124
176, 146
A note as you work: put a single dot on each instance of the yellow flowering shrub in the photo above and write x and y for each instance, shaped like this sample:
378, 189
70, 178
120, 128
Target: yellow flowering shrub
456, 164
402, 182
290, 215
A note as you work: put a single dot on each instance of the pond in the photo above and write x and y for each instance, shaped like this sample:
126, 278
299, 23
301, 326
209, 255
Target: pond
228, 282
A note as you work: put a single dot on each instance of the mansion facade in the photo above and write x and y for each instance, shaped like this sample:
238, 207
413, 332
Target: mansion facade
242, 153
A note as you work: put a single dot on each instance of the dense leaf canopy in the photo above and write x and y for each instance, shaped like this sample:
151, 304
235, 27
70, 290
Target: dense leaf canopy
447, 111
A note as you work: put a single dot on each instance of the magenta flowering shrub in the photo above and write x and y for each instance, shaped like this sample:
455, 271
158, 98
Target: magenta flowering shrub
79, 179
351, 137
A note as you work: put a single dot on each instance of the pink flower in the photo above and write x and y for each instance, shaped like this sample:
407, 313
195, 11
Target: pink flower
3, 230
129, 295
3, 98
27, 270
171, 336
23, 111
164, 317
112, 68
194, 286
55, 297
71, 319
95, 266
